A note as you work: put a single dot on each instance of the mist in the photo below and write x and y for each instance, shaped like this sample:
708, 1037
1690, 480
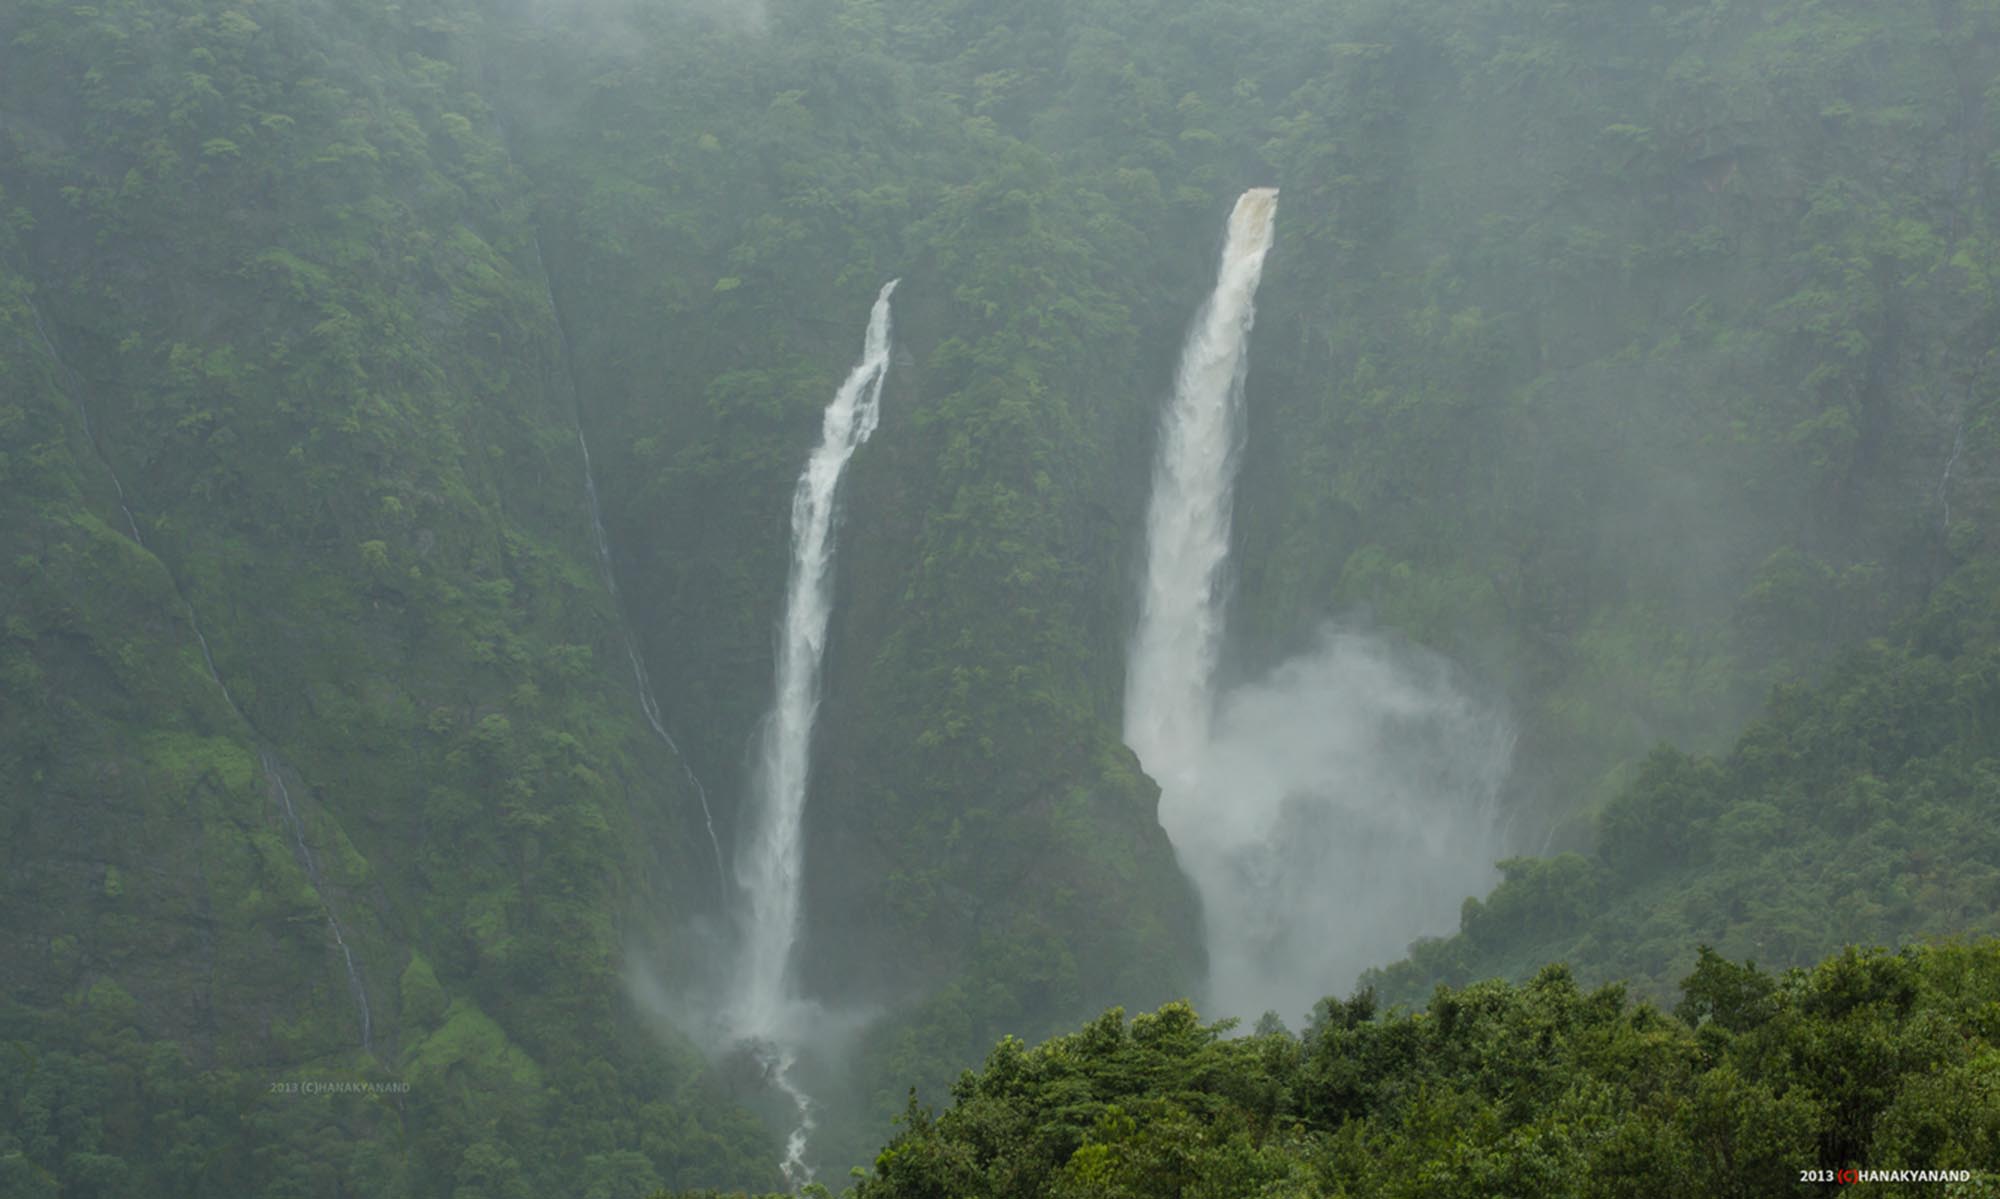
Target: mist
1344, 805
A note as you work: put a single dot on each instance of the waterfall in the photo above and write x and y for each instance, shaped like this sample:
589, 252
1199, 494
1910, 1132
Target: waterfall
274, 774
1334, 809
266, 757
771, 866
778, 1061
1172, 663
125, 505
649, 703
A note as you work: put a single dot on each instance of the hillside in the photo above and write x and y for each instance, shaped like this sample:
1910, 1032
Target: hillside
1628, 362
1862, 811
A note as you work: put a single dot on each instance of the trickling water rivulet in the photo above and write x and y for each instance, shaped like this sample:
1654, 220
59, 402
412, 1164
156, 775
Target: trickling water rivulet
272, 768
274, 774
771, 865
1334, 809
648, 702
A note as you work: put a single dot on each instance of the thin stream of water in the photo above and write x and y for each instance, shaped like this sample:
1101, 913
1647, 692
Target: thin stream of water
649, 703
273, 771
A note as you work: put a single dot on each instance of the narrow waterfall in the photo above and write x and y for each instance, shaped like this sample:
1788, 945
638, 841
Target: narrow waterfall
272, 768
771, 865
124, 504
648, 702
275, 775
1336, 808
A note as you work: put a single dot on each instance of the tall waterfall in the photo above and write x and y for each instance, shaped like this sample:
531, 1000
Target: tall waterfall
275, 775
1172, 664
771, 864
1338, 807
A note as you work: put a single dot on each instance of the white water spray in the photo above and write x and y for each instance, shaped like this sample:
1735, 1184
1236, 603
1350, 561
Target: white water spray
1333, 810
771, 866
1344, 805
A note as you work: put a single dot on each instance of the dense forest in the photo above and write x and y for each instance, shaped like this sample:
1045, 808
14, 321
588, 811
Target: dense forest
373, 757
1541, 1088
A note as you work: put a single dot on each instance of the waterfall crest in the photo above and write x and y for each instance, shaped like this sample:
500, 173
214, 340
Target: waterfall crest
1334, 809
771, 864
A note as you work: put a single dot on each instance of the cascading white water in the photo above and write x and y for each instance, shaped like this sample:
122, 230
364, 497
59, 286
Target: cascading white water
1340, 806
771, 865
272, 768
1171, 667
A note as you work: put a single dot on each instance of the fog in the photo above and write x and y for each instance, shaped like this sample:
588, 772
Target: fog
1344, 805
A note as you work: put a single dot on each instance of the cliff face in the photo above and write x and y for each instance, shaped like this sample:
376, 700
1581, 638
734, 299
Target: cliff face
324, 756
1634, 355
984, 854
1637, 361
398, 818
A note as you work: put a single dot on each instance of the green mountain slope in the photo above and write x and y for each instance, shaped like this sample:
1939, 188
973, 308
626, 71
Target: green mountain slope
286, 277
1863, 811
1633, 353
1634, 356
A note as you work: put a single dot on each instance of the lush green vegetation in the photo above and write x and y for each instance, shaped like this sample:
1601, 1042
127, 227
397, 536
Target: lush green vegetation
1869, 1061
1863, 811
260, 269
1636, 355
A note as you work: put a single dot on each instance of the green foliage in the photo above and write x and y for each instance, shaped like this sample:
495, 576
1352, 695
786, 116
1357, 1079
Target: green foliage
294, 500
1496, 1089
1857, 811
1639, 357
423, 999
